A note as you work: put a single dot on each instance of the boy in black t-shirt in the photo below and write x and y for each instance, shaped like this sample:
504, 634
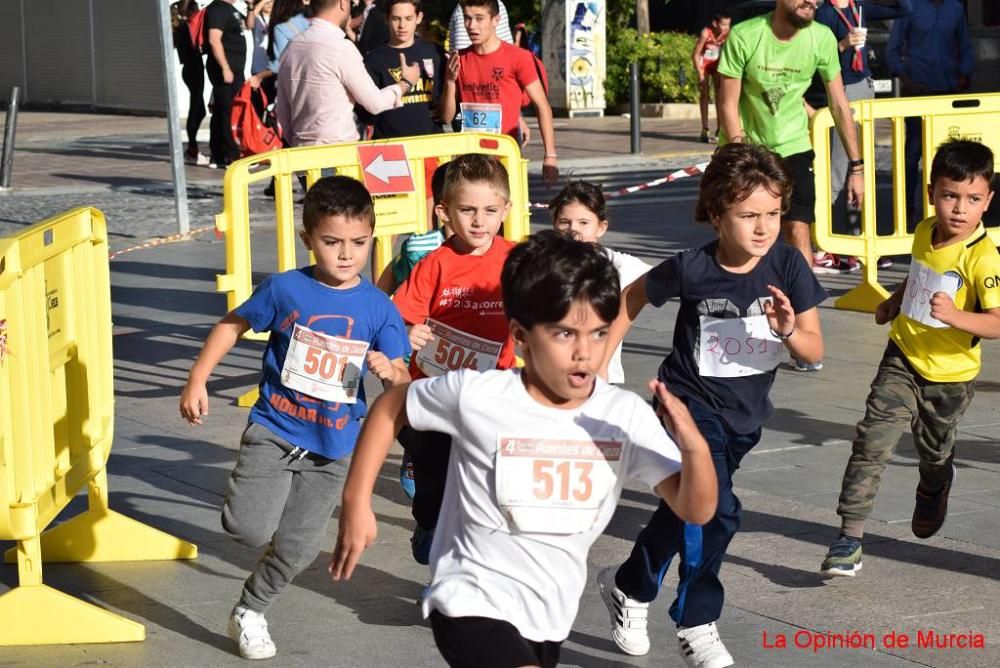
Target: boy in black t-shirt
414, 117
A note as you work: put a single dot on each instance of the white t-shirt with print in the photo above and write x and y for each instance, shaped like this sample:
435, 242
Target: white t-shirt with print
629, 269
519, 474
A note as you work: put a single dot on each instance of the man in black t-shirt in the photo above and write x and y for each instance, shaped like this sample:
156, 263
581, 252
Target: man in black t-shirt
227, 52
414, 117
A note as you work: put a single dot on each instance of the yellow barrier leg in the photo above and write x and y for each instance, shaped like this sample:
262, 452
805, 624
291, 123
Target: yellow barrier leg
101, 534
867, 295
34, 614
248, 399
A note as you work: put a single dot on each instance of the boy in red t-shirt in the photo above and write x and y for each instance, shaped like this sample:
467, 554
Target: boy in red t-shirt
486, 82
452, 304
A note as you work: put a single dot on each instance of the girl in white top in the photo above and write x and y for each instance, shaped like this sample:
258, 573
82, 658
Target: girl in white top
539, 456
580, 210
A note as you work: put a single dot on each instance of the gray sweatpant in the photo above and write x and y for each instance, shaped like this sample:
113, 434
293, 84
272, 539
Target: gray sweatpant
276, 498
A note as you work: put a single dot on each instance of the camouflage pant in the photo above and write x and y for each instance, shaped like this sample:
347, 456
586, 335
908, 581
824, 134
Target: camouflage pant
901, 397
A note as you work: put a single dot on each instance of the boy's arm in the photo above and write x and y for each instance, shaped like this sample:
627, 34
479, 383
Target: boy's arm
693, 493
889, 308
550, 164
222, 338
357, 527
390, 372
985, 325
634, 298
800, 332
387, 281
729, 107
449, 90
699, 46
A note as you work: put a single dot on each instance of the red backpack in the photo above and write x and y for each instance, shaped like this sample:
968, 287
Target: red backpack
254, 129
543, 76
196, 25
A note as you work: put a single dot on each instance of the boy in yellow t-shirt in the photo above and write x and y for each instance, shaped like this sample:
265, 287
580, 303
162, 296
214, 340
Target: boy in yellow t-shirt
948, 302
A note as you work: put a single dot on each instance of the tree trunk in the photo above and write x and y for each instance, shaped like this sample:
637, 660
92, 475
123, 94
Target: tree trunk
642, 16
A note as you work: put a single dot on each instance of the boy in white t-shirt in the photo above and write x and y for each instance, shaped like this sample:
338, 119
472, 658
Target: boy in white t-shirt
539, 456
581, 211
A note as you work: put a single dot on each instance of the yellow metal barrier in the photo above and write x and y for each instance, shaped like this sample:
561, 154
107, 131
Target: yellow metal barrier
973, 117
56, 428
404, 213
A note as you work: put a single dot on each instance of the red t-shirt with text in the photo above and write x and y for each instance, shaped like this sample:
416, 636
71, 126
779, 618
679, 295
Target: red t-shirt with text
462, 291
497, 78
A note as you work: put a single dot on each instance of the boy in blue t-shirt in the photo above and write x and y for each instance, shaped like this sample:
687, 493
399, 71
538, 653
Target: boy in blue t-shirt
328, 326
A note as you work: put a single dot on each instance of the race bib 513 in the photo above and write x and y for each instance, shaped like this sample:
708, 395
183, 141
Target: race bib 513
554, 486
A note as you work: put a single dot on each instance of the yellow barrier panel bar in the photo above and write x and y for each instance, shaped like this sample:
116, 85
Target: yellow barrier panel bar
395, 214
56, 430
973, 117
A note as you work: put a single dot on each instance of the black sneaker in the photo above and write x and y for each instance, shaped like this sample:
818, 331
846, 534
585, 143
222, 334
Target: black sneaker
843, 558
931, 508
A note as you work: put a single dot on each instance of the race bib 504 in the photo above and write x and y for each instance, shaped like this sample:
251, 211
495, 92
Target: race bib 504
452, 349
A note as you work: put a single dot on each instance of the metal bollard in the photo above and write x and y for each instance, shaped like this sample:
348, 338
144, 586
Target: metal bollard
634, 108
7, 160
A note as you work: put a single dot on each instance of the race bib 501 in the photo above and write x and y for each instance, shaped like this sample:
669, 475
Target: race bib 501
323, 366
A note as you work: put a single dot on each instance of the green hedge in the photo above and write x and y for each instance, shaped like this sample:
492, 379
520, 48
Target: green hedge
666, 73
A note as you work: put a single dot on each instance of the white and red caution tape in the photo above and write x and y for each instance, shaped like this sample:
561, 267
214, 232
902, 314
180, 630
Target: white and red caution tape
693, 170
152, 243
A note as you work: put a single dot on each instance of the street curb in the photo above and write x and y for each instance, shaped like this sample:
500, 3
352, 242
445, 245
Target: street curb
624, 164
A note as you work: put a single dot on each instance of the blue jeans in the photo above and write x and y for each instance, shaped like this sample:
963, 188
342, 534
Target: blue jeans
700, 594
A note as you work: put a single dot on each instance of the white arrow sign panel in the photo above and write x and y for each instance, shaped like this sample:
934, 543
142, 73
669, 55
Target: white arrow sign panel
383, 169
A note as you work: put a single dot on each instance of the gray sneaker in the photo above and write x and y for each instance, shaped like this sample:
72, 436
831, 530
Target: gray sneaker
843, 558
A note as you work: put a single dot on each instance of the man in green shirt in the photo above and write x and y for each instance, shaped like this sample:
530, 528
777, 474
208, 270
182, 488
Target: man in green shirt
767, 64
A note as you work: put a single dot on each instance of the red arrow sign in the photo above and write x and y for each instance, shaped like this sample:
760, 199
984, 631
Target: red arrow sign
385, 169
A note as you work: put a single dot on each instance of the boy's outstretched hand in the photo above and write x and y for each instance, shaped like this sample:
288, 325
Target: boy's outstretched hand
674, 413
779, 312
357, 530
194, 402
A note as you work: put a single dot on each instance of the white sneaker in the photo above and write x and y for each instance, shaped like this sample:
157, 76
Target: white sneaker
702, 647
628, 616
248, 629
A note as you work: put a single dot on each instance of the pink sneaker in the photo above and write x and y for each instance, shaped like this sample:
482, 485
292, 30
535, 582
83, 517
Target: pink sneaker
825, 263
849, 263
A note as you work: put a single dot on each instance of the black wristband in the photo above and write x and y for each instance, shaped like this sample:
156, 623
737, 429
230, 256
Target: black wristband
855, 163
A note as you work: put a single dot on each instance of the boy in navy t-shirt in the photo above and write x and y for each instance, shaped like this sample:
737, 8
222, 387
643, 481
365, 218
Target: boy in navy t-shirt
328, 326
745, 299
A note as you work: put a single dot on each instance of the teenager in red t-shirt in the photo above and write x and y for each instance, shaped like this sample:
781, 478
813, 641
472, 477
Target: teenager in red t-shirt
486, 82
452, 304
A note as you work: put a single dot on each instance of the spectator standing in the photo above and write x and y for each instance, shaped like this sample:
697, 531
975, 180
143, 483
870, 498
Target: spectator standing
323, 75
706, 54
374, 27
258, 22
193, 74
848, 19
931, 52
767, 64
414, 117
227, 52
